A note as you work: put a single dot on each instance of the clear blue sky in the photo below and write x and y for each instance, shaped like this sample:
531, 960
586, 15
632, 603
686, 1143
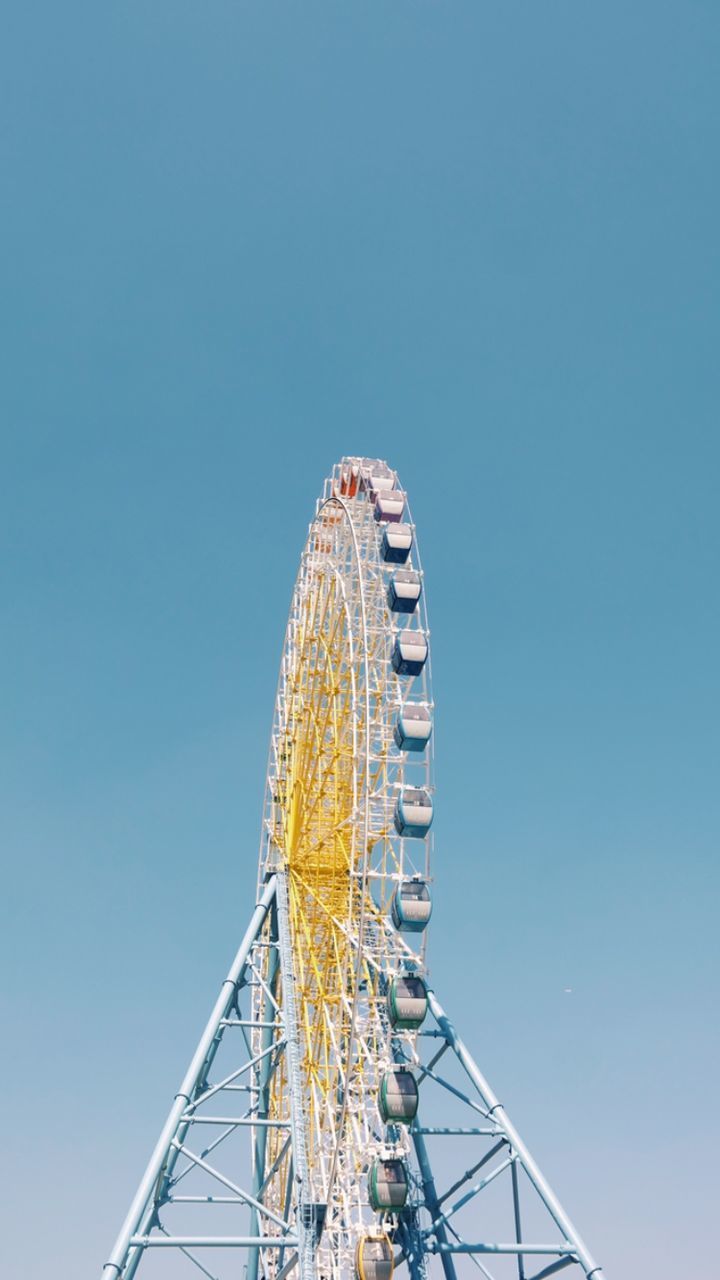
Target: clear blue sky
240, 239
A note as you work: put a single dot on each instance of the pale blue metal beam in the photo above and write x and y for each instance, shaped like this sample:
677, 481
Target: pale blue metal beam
500, 1117
142, 1206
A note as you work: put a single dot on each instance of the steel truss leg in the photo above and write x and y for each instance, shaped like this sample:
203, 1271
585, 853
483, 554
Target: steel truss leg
124, 1258
432, 1203
139, 1229
504, 1124
410, 1240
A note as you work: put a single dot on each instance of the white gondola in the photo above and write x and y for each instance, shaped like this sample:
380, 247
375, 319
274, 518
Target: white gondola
404, 591
409, 653
412, 906
413, 812
413, 727
396, 543
389, 505
375, 475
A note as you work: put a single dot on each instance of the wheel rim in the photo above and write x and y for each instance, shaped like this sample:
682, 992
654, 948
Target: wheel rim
334, 778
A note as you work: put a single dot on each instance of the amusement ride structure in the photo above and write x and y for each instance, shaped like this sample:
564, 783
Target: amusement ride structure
332, 1123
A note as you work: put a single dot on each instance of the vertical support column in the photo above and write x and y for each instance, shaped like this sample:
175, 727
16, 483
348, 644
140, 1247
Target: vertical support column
410, 1240
431, 1201
518, 1221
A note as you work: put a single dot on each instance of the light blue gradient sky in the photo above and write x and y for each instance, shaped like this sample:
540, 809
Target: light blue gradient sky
481, 240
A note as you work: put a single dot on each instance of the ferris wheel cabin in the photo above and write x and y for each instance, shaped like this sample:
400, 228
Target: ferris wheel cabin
413, 812
377, 477
407, 1001
412, 906
404, 591
389, 506
409, 653
387, 1185
413, 727
399, 1096
374, 1258
396, 543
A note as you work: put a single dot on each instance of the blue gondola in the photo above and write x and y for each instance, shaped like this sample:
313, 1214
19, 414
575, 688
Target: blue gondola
396, 543
413, 727
410, 653
404, 591
411, 906
413, 812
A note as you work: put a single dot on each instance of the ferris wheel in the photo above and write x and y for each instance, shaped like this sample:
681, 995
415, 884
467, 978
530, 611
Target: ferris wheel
332, 1123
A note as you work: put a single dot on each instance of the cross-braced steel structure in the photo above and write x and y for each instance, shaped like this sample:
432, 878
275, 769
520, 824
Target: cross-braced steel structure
332, 1123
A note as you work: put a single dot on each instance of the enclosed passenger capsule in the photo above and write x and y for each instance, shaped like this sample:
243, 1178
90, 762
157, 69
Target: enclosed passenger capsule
398, 1096
387, 1185
374, 1258
413, 812
375, 475
413, 727
396, 543
407, 1002
412, 906
404, 591
379, 478
349, 482
389, 505
410, 653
